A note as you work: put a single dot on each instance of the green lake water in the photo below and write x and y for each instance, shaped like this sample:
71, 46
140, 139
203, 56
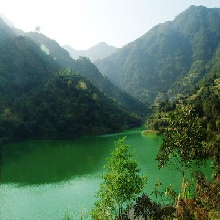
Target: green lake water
45, 179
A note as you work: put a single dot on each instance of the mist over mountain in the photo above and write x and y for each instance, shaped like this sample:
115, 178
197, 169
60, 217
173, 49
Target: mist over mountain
9, 26
99, 51
7, 21
169, 59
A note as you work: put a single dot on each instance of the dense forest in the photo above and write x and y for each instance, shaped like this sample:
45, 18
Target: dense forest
86, 68
38, 99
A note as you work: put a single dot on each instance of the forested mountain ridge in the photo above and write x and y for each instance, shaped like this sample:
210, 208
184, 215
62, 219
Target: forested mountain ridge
39, 100
68, 105
85, 67
204, 97
99, 51
169, 59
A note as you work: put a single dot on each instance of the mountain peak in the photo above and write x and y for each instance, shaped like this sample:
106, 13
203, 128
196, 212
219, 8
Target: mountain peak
102, 43
99, 51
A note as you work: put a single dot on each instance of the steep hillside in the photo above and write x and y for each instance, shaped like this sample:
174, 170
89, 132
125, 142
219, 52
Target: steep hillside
96, 52
204, 97
6, 32
22, 67
169, 59
65, 105
89, 70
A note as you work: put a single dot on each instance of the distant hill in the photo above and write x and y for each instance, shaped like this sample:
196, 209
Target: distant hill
85, 67
96, 52
169, 59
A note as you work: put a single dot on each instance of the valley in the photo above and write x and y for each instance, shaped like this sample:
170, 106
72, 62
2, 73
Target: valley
62, 111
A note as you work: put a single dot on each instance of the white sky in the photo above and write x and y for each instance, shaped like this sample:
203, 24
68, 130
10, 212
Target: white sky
84, 23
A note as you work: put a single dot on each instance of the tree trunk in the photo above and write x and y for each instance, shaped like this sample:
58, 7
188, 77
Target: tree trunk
183, 186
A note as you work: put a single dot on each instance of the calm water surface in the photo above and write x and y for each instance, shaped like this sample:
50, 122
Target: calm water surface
46, 179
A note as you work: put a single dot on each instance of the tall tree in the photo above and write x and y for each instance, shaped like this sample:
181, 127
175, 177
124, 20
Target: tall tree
183, 142
121, 183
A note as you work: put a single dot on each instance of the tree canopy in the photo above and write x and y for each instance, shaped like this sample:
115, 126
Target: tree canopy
121, 182
183, 141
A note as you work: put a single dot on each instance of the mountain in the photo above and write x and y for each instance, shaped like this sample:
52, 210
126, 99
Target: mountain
22, 65
205, 98
89, 70
206, 95
38, 99
169, 59
67, 105
96, 52
6, 32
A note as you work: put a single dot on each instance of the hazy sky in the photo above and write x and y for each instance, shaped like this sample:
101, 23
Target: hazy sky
84, 23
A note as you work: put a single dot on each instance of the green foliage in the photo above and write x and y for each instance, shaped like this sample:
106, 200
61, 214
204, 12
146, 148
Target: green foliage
184, 137
214, 153
159, 120
207, 102
38, 101
121, 183
183, 142
86, 68
66, 105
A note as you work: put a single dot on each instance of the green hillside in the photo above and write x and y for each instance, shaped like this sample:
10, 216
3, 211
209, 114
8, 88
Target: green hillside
169, 59
66, 105
85, 67
38, 100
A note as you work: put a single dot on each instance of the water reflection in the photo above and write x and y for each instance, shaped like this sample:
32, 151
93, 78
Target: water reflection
46, 161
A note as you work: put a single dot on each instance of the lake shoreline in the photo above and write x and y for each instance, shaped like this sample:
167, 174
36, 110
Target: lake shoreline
150, 132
